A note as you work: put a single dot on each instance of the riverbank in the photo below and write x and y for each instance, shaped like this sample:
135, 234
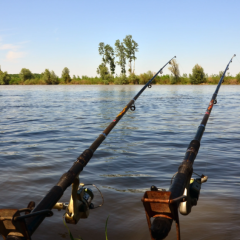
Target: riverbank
163, 80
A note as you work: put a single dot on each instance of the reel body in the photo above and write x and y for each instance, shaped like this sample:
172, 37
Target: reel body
79, 204
192, 191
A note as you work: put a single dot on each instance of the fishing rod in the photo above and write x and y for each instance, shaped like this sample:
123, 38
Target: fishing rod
14, 226
184, 191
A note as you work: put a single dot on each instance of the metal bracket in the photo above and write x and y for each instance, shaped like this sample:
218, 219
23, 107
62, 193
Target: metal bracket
160, 204
13, 224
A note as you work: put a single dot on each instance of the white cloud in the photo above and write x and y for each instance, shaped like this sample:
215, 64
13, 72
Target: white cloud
8, 47
12, 50
12, 55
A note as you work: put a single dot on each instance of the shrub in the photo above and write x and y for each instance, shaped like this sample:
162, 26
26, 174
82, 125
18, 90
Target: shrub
105, 82
174, 79
145, 77
198, 75
164, 79
133, 79
34, 82
121, 80
65, 75
50, 77
184, 80
25, 74
4, 78
238, 77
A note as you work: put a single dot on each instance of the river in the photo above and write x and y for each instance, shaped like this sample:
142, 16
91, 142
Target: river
43, 129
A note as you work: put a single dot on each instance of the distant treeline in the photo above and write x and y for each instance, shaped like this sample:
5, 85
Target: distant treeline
26, 77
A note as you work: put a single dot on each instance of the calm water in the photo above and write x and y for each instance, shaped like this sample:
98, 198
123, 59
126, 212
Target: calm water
43, 129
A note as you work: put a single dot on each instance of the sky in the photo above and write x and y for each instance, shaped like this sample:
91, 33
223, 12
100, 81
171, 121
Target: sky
41, 35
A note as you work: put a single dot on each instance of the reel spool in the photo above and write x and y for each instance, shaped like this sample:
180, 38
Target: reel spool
80, 202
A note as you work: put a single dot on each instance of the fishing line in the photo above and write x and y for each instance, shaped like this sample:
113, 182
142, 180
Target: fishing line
99, 192
237, 59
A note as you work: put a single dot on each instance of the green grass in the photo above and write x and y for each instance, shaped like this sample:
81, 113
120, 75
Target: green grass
71, 236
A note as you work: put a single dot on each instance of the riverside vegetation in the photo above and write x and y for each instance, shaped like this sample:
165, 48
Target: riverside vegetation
124, 51
25, 77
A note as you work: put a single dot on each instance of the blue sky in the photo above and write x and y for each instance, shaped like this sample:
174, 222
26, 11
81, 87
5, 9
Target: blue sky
57, 34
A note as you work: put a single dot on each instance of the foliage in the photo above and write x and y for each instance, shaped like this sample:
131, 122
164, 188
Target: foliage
145, 77
220, 74
102, 70
238, 77
106, 228
107, 53
66, 75
198, 75
164, 79
50, 77
4, 78
25, 74
184, 79
71, 236
105, 82
174, 69
54, 78
69, 232
133, 79
174, 80
34, 82
120, 53
131, 47
122, 80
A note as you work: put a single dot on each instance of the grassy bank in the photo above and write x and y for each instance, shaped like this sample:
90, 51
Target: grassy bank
133, 79
43, 79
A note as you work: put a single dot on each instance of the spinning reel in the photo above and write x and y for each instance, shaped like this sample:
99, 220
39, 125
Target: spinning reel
192, 192
80, 202
13, 224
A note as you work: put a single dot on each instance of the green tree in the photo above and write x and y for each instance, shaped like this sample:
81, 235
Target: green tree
50, 77
131, 47
107, 53
145, 77
238, 77
25, 74
103, 71
4, 78
47, 76
66, 75
54, 78
101, 50
198, 76
174, 69
109, 57
120, 53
